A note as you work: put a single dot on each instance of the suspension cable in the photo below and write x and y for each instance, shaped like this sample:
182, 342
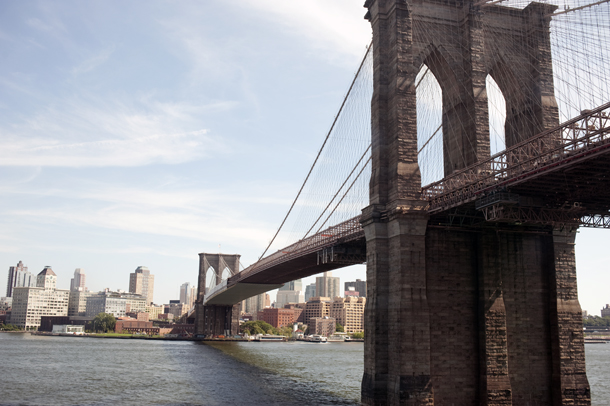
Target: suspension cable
320, 151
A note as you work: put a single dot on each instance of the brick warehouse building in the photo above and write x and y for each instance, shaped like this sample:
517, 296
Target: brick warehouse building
277, 317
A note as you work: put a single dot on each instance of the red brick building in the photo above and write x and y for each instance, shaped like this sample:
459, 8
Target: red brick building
298, 308
277, 317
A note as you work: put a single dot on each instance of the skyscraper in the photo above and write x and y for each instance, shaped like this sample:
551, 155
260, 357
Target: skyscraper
187, 294
359, 285
142, 283
19, 277
293, 285
310, 291
328, 286
291, 292
78, 282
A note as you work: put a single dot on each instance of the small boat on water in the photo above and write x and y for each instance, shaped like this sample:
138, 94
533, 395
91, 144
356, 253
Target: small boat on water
316, 339
339, 338
269, 338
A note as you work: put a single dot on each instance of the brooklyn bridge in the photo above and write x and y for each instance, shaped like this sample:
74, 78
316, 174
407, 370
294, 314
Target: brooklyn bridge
473, 143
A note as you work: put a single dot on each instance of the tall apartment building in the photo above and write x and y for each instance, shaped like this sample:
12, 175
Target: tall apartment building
606, 311
358, 285
317, 307
142, 283
310, 291
78, 282
291, 292
324, 326
188, 294
19, 277
328, 285
349, 312
255, 304
31, 303
77, 305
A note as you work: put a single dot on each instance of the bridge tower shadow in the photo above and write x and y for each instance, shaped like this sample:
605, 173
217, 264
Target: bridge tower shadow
463, 314
216, 319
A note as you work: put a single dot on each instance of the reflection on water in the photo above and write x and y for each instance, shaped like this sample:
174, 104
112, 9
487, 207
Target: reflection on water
80, 371
40, 370
335, 368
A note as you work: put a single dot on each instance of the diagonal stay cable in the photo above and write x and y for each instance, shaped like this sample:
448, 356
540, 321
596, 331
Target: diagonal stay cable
345, 194
319, 152
338, 191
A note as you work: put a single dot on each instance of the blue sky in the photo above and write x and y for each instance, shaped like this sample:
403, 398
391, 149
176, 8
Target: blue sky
144, 132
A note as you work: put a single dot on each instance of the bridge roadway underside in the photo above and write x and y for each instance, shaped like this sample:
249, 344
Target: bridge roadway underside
259, 280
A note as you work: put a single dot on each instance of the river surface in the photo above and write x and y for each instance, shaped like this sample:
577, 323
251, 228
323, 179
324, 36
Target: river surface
38, 370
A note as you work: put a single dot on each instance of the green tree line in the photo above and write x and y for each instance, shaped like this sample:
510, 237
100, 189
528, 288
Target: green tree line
596, 321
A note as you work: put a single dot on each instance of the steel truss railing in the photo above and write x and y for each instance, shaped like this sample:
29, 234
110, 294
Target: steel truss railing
346, 231
551, 148
573, 138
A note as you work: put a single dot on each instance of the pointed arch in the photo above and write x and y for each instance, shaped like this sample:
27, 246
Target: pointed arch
210, 279
226, 274
497, 116
518, 125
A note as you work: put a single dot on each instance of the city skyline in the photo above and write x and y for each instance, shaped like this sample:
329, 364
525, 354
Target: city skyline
178, 129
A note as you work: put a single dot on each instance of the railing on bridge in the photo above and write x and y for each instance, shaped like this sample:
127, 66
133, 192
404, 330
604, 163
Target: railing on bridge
581, 135
346, 231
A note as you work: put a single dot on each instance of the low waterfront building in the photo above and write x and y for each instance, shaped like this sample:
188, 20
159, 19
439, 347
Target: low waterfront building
68, 329
140, 316
128, 325
277, 317
31, 303
349, 312
47, 322
115, 303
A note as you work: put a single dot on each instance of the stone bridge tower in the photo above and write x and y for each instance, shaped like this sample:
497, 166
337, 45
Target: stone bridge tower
463, 315
215, 319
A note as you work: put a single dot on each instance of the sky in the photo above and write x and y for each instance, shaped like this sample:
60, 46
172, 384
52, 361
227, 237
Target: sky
142, 133
145, 132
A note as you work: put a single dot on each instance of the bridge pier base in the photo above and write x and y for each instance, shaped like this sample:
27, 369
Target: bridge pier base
216, 320
471, 316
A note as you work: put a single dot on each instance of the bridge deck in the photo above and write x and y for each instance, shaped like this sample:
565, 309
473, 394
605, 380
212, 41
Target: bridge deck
560, 176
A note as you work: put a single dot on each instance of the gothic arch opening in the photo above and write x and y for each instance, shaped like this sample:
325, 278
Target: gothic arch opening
429, 126
497, 116
518, 124
210, 279
226, 274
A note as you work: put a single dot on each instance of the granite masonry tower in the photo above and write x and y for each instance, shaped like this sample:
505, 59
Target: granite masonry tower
463, 315
215, 319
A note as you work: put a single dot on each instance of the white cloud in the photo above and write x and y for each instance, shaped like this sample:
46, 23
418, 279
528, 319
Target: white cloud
337, 27
90, 132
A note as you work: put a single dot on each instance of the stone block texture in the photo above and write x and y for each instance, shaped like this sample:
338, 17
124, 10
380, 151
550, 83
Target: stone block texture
463, 316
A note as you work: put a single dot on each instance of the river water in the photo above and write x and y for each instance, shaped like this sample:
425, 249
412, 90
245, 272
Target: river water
38, 370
